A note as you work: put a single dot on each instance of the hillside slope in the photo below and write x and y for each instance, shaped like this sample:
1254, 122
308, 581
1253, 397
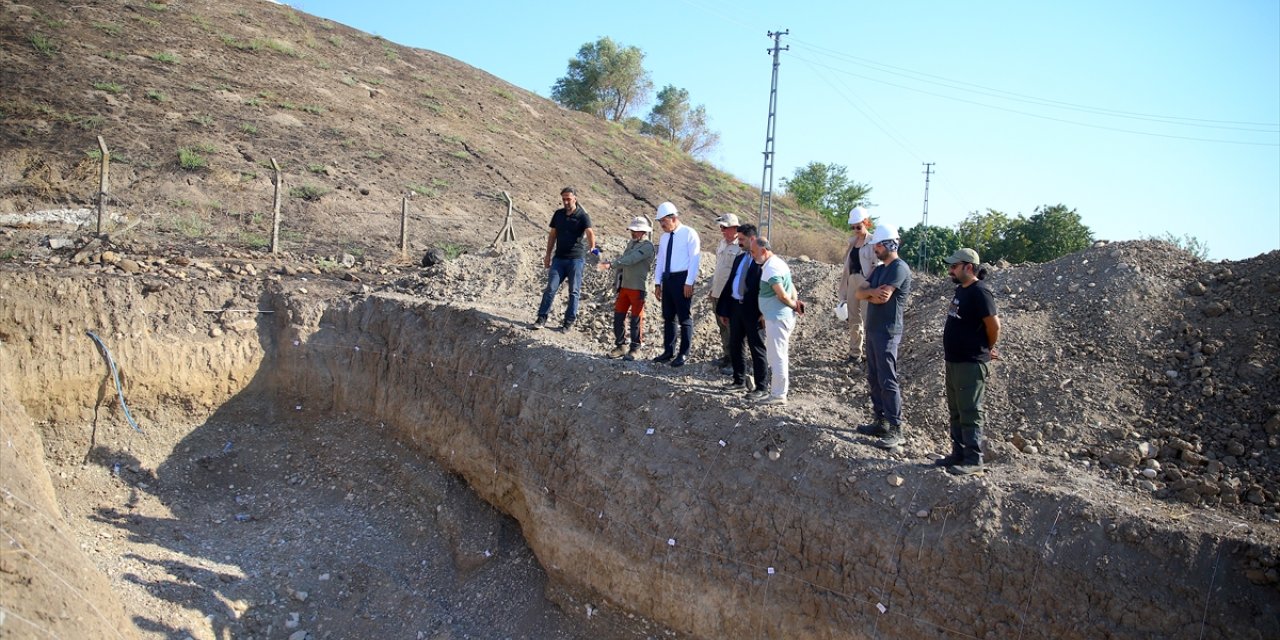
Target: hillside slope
355, 122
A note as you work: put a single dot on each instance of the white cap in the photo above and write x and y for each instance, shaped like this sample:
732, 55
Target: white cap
884, 232
666, 209
728, 220
640, 223
858, 214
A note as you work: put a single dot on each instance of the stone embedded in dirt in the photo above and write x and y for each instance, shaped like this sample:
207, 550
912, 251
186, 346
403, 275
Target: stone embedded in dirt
61, 243
432, 257
347, 260
1125, 457
923, 513
894, 480
109, 257
1214, 309
215, 332
128, 266
299, 635
1196, 288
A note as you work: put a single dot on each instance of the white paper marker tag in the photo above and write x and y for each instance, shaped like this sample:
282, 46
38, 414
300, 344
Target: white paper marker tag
770, 570
649, 432
881, 607
671, 542
722, 443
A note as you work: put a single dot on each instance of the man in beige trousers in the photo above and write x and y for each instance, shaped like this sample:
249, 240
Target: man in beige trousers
859, 260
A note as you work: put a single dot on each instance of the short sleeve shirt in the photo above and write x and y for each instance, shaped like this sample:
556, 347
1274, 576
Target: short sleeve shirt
775, 271
570, 230
887, 317
964, 337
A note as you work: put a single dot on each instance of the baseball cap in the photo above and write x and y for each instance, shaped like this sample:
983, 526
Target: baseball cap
964, 255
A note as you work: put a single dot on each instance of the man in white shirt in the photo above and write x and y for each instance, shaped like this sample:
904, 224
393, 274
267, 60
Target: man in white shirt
675, 271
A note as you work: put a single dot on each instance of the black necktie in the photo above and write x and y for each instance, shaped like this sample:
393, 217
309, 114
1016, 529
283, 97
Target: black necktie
666, 269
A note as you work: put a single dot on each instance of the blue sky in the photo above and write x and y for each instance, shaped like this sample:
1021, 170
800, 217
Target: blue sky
1147, 117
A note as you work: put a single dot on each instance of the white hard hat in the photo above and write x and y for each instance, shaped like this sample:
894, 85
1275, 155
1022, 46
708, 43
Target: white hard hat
842, 312
639, 223
858, 214
666, 209
884, 232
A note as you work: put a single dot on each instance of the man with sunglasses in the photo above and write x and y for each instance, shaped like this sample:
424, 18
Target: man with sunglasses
887, 291
859, 261
968, 344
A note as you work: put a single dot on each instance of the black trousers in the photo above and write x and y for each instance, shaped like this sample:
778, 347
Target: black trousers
676, 307
744, 328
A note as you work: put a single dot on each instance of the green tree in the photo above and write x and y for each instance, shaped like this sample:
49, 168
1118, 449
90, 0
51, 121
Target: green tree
826, 188
1055, 231
938, 244
984, 231
605, 79
673, 120
1187, 242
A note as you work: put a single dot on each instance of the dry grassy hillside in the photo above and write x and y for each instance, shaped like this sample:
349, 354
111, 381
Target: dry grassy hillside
195, 99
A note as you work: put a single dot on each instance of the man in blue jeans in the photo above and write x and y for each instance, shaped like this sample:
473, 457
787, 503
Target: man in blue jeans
886, 293
571, 238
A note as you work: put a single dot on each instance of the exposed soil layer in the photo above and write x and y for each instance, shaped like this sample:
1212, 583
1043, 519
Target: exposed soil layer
639, 490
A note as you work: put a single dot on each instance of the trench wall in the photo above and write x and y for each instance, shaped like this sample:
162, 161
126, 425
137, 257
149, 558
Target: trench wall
639, 495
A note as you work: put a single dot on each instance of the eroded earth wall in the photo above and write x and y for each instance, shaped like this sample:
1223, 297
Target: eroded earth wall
640, 495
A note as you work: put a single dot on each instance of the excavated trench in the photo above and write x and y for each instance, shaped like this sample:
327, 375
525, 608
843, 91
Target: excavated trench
301, 468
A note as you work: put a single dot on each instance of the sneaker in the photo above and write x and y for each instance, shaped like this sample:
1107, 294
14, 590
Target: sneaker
678, 362
566, 327
878, 428
967, 469
539, 323
893, 438
949, 460
736, 385
772, 399
757, 395
664, 357
618, 352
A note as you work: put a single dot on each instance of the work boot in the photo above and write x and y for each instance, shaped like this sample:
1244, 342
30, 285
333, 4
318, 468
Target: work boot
665, 356
679, 361
539, 323
957, 451
969, 466
878, 428
633, 353
618, 351
892, 437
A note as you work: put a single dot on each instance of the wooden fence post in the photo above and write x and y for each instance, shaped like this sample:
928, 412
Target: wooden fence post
404, 227
102, 182
275, 209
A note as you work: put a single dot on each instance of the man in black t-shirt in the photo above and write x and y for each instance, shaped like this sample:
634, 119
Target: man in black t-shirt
968, 344
571, 237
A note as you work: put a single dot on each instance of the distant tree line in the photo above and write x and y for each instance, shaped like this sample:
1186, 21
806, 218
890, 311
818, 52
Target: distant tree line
609, 81
1051, 232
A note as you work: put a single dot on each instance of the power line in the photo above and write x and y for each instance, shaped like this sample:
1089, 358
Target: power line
1043, 117
961, 85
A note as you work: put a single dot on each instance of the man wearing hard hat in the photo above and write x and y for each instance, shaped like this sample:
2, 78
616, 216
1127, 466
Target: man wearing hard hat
632, 283
886, 293
675, 272
859, 260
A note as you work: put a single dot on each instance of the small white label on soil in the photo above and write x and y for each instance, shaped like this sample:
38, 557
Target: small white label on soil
299, 407
671, 542
649, 432
770, 570
722, 443
881, 607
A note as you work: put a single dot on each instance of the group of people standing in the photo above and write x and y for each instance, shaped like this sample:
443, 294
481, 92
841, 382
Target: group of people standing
757, 306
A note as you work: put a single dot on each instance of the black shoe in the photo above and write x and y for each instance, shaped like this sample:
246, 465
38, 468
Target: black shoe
879, 428
967, 469
678, 362
664, 357
736, 385
726, 370
566, 327
891, 439
757, 395
949, 461
539, 323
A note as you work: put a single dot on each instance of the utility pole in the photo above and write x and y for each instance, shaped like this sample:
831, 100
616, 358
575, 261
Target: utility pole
924, 225
766, 180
